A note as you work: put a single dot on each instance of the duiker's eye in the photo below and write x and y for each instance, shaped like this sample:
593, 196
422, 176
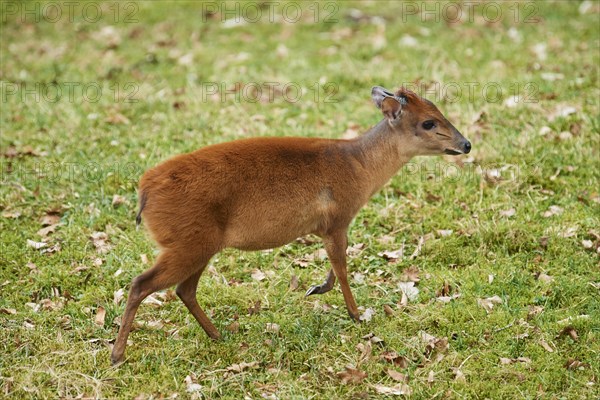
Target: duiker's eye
428, 125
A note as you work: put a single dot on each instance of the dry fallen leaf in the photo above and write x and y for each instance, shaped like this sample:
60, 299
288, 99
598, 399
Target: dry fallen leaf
409, 289
458, 375
546, 346
351, 375
386, 239
411, 274
11, 214
243, 366
36, 245
44, 232
398, 390
388, 310
575, 364
51, 218
444, 232
191, 385
365, 352
544, 278
100, 241
118, 296
117, 200
100, 315
234, 327
294, 283
397, 376
534, 310
392, 255
258, 275
508, 213
255, 308
507, 361
367, 315
417, 251
394, 358
568, 331
272, 327
9, 311
488, 303
552, 210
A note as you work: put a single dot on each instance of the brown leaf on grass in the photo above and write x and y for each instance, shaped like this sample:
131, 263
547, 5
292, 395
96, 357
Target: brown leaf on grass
572, 364
397, 390
118, 296
394, 358
36, 245
552, 210
294, 283
417, 251
233, 327
191, 384
100, 315
507, 361
235, 368
459, 376
272, 327
488, 303
397, 376
117, 119
508, 213
351, 375
8, 311
568, 331
430, 377
409, 289
44, 232
255, 308
546, 346
365, 352
544, 278
411, 274
367, 315
11, 214
388, 310
354, 250
444, 232
534, 310
386, 239
100, 242
373, 339
258, 275
392, 255
117, 200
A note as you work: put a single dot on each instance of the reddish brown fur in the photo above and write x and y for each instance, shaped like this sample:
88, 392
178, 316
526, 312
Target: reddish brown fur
262, 193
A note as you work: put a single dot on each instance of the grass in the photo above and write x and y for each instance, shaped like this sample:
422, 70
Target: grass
70, 156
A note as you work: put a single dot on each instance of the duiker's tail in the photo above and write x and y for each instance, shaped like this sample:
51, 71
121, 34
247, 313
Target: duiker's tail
143, 198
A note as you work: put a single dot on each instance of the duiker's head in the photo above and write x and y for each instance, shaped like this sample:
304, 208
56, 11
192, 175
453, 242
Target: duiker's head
426, 130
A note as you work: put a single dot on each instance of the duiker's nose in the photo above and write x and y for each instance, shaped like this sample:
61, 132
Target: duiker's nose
467, 147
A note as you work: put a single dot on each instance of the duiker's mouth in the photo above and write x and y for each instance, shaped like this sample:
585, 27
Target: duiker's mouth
452, 152
466, 148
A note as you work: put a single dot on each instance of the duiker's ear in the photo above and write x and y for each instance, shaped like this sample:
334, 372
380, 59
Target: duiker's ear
387, 102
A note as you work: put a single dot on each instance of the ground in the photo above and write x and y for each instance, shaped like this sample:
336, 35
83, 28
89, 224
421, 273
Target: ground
478, 275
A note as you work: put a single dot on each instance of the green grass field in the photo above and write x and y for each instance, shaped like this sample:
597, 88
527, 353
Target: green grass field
503, 243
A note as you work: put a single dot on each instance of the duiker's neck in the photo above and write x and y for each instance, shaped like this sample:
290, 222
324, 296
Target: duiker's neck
382, 153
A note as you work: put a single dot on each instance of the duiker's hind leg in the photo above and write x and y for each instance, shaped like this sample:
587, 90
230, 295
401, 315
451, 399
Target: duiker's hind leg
171, 267
323, 287
186, 291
